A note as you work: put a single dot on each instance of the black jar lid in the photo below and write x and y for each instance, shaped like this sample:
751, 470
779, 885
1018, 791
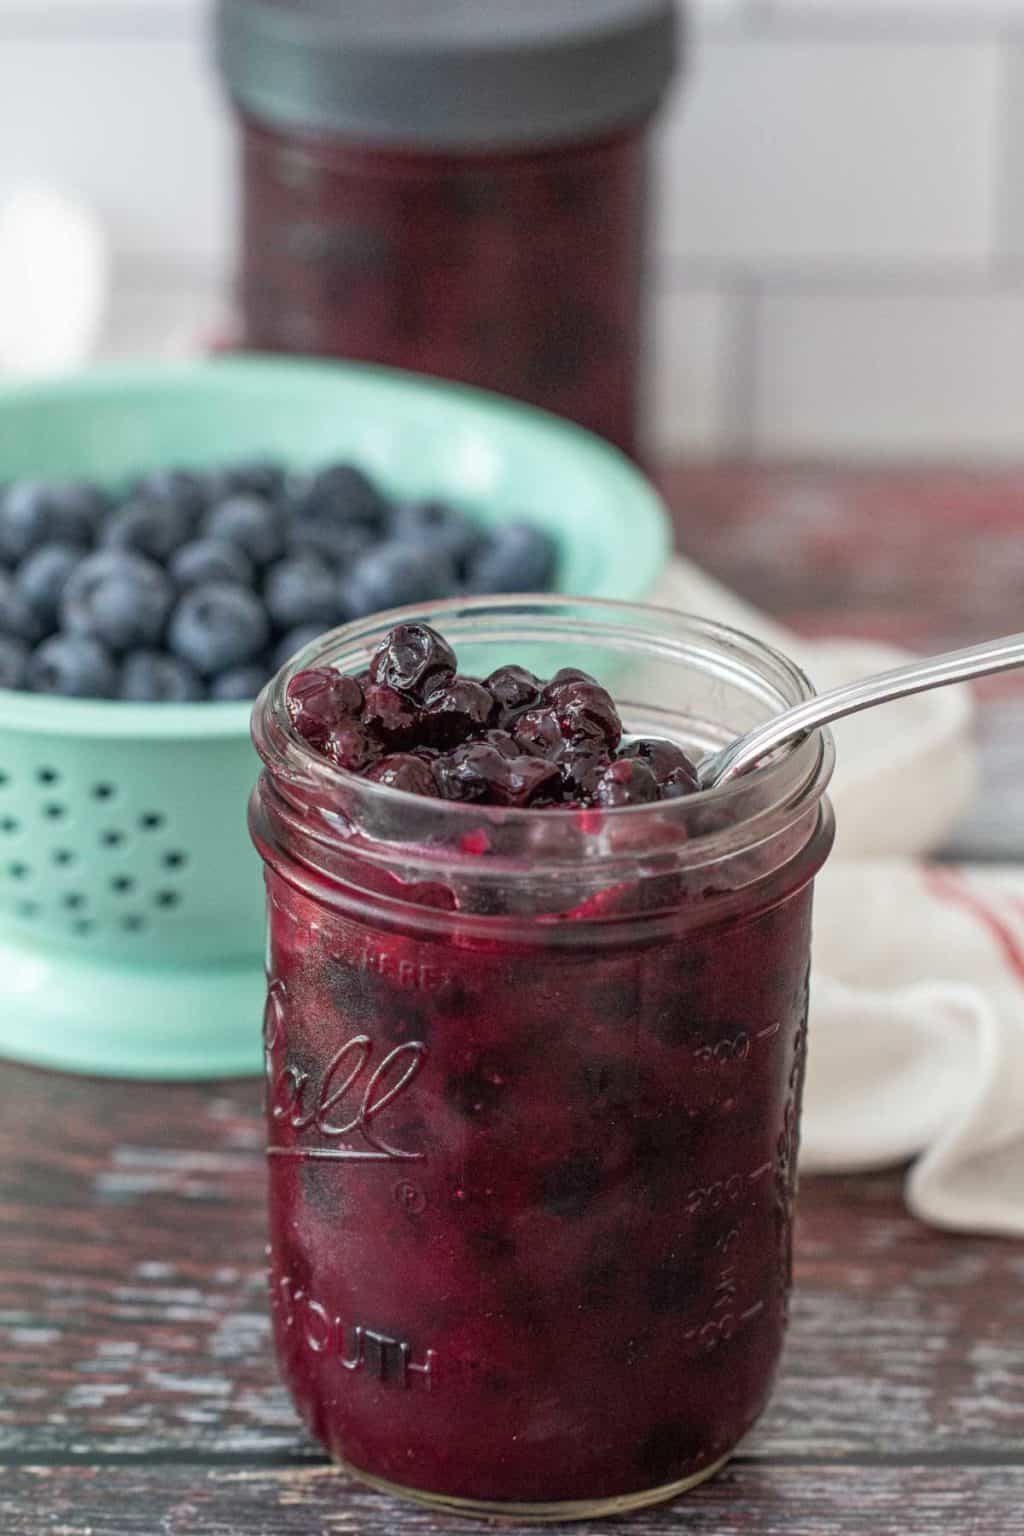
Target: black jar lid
448, 73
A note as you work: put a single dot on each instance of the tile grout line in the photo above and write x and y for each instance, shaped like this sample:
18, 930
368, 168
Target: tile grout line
739, 386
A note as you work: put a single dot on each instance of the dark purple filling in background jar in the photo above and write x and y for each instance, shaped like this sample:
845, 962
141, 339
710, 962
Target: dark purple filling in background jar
456, 189
517, 272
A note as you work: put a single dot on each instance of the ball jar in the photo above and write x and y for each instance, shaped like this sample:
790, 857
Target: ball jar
533, 1085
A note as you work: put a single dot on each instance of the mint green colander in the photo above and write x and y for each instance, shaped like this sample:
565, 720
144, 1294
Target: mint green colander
131, 902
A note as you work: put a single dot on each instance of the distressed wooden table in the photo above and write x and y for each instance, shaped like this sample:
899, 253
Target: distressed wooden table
137, 1389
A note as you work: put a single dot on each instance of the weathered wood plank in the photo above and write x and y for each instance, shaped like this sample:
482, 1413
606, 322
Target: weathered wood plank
747, 1499
831, 547
838, 550
132, 1315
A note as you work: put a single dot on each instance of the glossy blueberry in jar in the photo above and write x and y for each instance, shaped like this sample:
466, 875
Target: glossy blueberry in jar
457, 191
535, 1047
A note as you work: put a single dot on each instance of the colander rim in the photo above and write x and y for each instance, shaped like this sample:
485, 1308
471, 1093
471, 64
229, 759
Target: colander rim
649, 531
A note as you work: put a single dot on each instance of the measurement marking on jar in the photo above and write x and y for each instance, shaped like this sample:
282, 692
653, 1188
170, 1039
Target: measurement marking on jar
719, 1330
306, 1102
732, 1049
713, 1197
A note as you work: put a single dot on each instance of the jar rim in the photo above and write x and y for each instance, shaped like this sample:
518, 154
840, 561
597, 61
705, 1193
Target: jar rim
784, 787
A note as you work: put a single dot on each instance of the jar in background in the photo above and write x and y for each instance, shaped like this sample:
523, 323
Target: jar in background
457, 187
534, 1084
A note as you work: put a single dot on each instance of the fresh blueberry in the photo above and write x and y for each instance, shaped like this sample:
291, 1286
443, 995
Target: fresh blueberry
340, 544
238, 683
438, 526
13, 662
79, 508
206, 560
342, 494
35, 512
302, 589
18, 618
257, 526
154, 677
396, 574
43, 575
184, 489
294, 641
119, 598
218, 626
76, 665
151, 528
515, 558
25, 520
414, 659
248, 477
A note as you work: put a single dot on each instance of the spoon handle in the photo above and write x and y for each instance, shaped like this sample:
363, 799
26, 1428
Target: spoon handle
916, 677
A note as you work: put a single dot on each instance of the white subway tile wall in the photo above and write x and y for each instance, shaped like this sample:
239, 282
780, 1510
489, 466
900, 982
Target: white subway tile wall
839, 263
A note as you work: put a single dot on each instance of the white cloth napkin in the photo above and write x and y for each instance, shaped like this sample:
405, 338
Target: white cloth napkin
917, 997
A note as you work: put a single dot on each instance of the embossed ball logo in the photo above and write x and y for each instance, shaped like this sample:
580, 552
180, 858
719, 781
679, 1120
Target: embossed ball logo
344, 1112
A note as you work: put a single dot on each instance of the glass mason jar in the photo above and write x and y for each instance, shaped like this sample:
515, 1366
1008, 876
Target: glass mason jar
456, 191
533, 1085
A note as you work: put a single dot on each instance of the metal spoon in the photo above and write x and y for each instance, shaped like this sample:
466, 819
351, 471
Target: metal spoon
918, 676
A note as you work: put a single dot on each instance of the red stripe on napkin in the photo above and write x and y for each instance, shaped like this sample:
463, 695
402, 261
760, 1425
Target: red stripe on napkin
952, 887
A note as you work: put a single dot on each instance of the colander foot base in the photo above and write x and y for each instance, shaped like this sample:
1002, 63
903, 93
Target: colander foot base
80, 1015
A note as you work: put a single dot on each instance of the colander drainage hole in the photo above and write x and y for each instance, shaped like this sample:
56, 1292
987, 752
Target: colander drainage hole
54, 811
102, 791
122, 884
47, 776
151, 821
83, 926
112, 838
9, 824
5, 778
18, 871
27, 909
73, 900
133, 923
63, 856
175, 859
167, 899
